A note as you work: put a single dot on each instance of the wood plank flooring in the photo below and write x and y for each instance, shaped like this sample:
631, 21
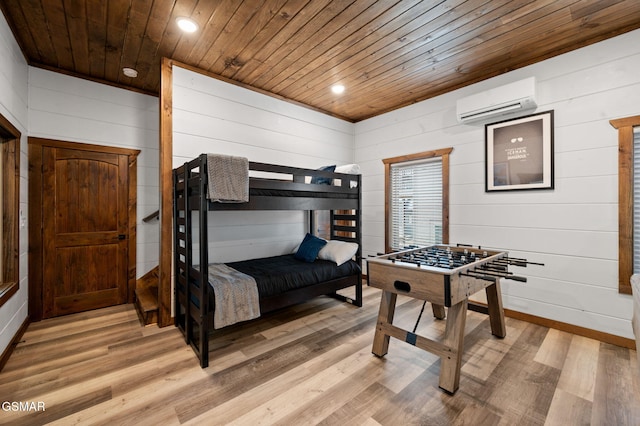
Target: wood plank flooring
312, 364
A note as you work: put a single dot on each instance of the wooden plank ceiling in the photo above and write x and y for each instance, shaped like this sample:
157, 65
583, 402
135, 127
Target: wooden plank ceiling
387, 54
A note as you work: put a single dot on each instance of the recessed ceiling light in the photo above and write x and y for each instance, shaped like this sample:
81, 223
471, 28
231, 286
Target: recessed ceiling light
130, 72
337, 89
187, 25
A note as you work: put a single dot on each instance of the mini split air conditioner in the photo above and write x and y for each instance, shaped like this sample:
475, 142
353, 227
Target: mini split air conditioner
501, 102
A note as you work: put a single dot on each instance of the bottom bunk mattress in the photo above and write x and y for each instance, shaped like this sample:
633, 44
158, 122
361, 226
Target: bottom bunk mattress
238, 287
279, 274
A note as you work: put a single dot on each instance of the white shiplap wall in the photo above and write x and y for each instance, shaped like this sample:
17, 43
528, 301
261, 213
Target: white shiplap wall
13, 106
212, 116
70, 109
573, 228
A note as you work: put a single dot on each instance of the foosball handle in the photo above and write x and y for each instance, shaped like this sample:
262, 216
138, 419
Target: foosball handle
516, 278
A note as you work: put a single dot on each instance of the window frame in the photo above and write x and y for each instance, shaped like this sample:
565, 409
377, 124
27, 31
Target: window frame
426, 155
10, 193
625, 200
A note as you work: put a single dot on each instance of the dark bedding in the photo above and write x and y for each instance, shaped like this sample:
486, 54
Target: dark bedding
310, 194
277, 274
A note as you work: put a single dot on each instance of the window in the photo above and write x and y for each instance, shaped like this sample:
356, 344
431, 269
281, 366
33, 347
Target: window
636, 200
9, 205
417, 199
626, 189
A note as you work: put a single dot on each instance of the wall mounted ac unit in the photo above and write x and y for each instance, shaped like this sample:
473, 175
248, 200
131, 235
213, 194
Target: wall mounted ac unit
501, 102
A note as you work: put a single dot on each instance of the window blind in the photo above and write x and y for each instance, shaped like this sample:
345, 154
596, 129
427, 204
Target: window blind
416, 203
636, 200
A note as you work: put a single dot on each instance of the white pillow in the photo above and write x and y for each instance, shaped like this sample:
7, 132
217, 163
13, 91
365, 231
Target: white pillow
352, 169
338, 251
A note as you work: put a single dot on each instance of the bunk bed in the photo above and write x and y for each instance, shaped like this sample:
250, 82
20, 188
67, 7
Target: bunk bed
270, 187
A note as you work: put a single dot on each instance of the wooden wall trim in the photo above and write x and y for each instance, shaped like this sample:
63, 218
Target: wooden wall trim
625, 208
35, 232
132, 225
54, 143
558, 325
625, 200
6, 124
7, 292
418, 156
445, 194
10, 154
10, 192
166, 192
84, 76
387, 205
573, 329
626, 122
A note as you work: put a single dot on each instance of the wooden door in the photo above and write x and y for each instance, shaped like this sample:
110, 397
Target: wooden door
85, 230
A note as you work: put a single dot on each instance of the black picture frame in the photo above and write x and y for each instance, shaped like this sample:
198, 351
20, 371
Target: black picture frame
519, 153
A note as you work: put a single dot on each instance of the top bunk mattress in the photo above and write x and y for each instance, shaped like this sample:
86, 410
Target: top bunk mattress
308, 194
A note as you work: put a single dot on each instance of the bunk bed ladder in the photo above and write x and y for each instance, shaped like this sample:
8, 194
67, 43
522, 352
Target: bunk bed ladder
180, 256
190, 296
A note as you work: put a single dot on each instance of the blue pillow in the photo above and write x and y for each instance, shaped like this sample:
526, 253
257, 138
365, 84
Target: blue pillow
309, 248
323, 180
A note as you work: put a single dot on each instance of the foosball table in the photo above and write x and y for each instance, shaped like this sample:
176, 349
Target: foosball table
445, 276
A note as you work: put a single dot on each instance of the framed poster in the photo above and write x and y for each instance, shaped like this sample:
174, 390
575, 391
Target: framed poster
519, 153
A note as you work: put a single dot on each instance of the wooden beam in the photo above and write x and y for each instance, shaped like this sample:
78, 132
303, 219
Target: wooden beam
166, 195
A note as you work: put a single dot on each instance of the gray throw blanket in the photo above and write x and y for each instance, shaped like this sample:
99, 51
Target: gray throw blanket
228, 178
236, 295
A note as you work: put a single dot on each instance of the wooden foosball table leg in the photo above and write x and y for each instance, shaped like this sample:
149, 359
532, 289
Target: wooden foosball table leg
438, 311
496, 313
451, 361
385, 316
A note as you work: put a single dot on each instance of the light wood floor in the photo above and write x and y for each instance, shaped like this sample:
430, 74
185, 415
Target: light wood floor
312, 364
